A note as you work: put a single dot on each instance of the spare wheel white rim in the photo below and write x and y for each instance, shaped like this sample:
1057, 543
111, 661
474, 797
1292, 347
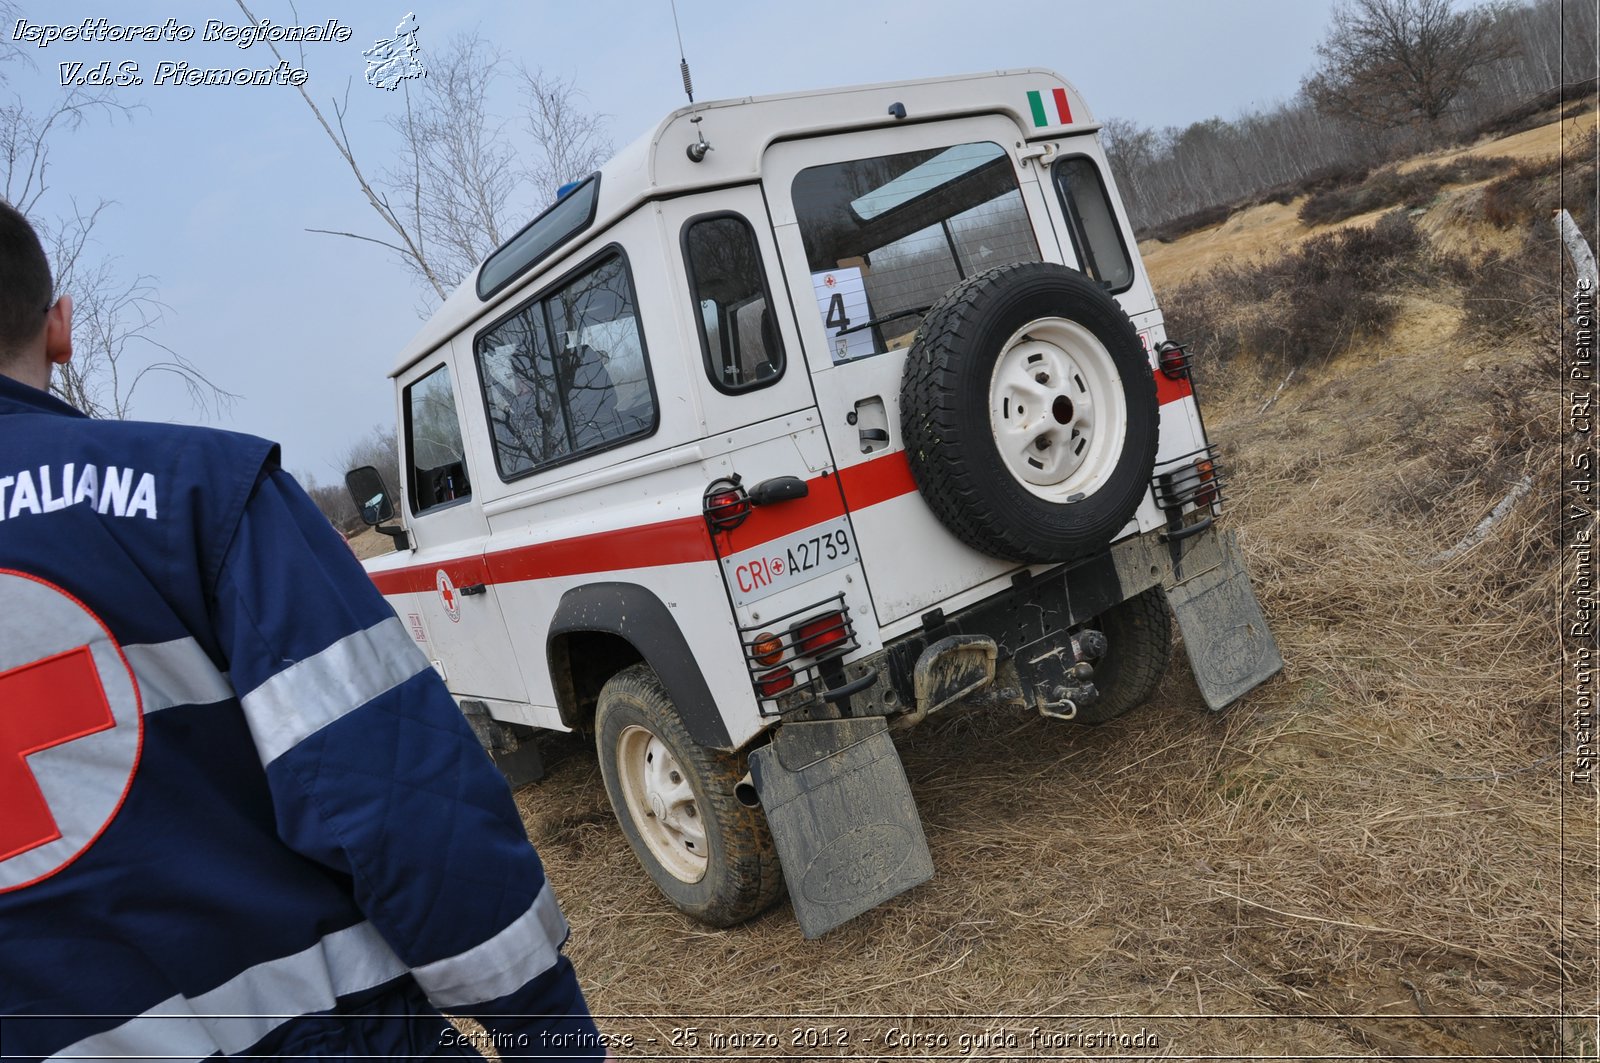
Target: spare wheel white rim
1057, 410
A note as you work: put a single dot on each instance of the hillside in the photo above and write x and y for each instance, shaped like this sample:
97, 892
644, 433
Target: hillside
1273, 227
1368, 856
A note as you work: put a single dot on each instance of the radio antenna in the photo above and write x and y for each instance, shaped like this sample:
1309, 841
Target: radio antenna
696, 151
683, 64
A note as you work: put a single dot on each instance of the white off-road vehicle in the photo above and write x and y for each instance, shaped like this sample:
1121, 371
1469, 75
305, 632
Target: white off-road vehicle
804, 418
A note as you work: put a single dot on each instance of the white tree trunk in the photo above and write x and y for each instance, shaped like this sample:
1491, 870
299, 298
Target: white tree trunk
1578, 248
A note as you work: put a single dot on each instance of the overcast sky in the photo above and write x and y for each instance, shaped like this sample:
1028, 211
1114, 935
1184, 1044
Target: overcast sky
215, 187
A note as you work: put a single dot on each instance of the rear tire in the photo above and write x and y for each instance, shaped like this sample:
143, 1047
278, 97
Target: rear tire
712, 856
1138, 647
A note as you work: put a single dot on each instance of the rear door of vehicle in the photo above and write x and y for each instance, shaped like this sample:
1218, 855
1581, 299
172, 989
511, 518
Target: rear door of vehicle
872, 229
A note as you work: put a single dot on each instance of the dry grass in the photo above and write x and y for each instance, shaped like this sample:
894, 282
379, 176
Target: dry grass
1365, 857
1277, 227
1371, 842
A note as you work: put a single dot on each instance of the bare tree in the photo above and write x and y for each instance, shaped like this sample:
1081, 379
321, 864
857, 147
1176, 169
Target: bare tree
1391, 63
456, 172
115, 318
1166, 174
569, 138
114, 331
450, 197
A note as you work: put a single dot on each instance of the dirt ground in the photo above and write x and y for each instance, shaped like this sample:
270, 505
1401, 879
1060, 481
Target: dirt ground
1376, 854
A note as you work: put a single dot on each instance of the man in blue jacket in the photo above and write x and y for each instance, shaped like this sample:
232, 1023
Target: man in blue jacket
238, 810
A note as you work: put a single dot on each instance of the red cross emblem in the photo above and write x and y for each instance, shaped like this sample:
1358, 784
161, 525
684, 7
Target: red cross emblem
70, 730
42, 705
447, 594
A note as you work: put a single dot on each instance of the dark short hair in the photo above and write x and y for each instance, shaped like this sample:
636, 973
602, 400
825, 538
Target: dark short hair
25, 284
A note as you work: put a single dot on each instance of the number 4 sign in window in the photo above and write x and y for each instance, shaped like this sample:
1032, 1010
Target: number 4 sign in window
842, 301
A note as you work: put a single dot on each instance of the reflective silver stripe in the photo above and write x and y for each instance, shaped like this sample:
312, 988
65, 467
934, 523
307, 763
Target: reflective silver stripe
176, 673
525, 949
310, 694
250, 1005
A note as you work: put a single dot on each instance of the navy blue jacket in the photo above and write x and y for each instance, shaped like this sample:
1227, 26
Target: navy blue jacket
230, 784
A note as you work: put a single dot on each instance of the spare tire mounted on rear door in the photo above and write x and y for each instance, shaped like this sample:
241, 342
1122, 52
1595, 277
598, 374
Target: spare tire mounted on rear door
1029, 413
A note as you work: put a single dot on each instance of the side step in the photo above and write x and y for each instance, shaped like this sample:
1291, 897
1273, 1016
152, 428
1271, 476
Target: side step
842, 817
1231, 649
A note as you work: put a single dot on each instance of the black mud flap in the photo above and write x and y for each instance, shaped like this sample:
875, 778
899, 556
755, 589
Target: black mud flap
842, 816
1231, 649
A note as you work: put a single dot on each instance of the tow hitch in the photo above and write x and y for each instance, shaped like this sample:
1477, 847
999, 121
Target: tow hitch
1056, 675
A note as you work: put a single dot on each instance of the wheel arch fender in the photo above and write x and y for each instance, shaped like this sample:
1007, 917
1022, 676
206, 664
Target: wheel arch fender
611, 625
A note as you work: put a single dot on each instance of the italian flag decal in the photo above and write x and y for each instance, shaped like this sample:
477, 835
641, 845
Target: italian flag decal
1063, 111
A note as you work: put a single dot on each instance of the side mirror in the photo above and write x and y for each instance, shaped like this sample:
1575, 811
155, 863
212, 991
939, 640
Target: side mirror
369, 494
374, 503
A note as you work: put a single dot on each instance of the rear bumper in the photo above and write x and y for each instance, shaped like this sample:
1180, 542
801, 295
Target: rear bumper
1039, 606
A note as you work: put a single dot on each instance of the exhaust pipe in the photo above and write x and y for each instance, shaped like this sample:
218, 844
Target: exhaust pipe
745, 792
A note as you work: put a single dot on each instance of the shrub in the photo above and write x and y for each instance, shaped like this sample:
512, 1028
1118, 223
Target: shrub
1390, 187
1311, 303
1169, 231
1535, 112
1535, 189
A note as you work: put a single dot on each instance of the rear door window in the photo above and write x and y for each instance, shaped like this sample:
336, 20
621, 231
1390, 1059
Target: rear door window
886, 237
1092, 223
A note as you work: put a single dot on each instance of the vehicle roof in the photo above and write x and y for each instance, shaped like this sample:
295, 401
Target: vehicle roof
739, 132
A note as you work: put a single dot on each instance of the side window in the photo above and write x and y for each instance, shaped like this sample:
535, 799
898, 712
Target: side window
601, 359
738, 336
522, 393
566, 374
1093, 223
438, 468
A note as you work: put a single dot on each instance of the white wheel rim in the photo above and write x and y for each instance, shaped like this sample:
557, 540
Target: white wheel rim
1057, 410
661, 803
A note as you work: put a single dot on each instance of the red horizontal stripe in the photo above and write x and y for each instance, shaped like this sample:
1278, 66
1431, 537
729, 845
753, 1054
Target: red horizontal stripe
1169, 390
686, 539
671, 542
766, 523
877, 480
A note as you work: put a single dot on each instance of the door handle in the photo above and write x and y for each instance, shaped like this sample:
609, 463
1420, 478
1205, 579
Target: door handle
471, 589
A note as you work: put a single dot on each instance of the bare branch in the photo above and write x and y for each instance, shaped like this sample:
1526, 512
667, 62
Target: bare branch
357, 236
341, 143
114, 321
570, 139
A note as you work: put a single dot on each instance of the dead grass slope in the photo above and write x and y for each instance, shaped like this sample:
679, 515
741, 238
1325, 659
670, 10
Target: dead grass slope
1272, 228
1365, 857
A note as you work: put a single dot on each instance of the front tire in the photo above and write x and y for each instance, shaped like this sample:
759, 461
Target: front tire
712, 856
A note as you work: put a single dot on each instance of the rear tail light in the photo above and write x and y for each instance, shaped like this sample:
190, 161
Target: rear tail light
775, 682
818, 635
786, 655
1192, 479
1207, 472
766, 649
1173, 360
726, 505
